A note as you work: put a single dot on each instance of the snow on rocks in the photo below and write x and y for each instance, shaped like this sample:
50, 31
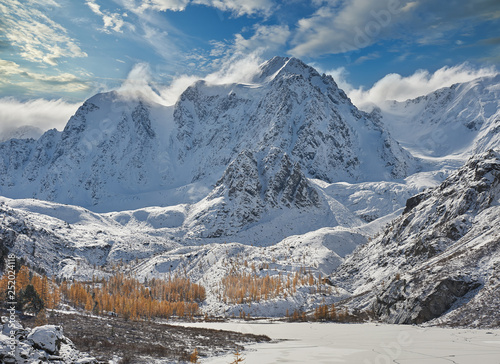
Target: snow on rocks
47, 338
41, 344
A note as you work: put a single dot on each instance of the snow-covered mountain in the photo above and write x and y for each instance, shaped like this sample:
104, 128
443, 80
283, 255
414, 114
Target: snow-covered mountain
287, 105
460, 120
72, 242
58, 238
440, 258
244, 194
22, 132
108, 149
120, 153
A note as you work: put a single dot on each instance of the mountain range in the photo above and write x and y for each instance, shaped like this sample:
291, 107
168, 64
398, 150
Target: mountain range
283, 170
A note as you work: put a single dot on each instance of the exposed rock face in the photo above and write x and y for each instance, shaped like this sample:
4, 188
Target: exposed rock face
250, 188
396, 304
285, 184
442, 253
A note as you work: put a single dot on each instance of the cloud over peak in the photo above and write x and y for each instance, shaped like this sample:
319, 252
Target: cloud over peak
396, 87
39, 113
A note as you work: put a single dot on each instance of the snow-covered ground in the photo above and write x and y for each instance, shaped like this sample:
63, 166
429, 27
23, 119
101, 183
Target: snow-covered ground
364, 343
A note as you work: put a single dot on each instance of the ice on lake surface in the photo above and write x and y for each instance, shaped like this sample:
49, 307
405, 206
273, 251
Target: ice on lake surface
363, 343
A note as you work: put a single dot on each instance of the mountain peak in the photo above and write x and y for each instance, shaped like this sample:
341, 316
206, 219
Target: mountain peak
269, 70
104, 112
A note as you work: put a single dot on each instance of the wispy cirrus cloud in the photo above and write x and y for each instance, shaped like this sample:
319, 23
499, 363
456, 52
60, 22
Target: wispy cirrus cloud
237, 7
265, 42
367, 57
38, 38
265, 38
343, 26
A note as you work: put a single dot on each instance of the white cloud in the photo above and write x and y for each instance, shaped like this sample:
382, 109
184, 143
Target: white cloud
164, 5
139, 84
245, 54
38, 38
8, 68
367, 57
111, 21
237, 69
156, 31
236, 62
96, 9
41, 113
237, 7
171, 93
240, 7
160, 41
396, 87
340, 75
343, 26
265, 38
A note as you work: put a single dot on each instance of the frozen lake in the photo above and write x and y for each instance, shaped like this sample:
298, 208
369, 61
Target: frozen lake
363, 344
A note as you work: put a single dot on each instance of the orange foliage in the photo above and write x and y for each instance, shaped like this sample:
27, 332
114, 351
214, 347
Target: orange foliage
240, 287
125, 296
129, 298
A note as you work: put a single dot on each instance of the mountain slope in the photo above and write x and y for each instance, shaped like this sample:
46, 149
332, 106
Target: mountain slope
441, 257
22, 132
249, 190
463, 119
69, 240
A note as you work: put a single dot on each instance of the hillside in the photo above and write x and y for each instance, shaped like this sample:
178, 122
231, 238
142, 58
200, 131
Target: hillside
440, 258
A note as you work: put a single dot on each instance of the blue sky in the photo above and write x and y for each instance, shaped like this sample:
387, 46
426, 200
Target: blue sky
69, 50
